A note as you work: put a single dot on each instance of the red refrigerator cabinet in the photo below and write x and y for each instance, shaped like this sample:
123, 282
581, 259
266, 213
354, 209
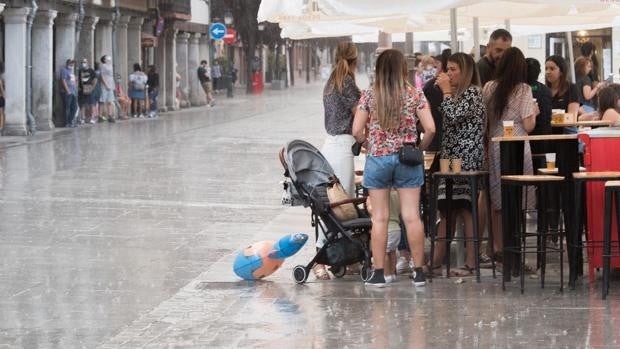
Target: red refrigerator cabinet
601, 153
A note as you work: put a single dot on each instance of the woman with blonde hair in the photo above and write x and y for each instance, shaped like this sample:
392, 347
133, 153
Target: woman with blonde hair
340, 97
585, 86
390, 110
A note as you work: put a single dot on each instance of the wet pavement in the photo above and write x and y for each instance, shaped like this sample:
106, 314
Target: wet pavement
123, 236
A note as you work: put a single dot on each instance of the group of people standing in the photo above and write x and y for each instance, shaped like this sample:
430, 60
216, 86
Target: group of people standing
96, 95
463, 106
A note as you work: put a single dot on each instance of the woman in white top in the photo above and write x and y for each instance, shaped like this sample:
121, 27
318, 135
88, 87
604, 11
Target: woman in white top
137, 91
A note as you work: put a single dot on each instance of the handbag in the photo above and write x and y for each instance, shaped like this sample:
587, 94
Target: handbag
356, 148
410, 155
336, 194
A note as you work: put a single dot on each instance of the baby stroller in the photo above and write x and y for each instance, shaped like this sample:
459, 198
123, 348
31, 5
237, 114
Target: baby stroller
308, 177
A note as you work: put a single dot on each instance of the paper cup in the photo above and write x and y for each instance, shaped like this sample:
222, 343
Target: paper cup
569, 117
550, 157
509, 127
456, 165
444, 165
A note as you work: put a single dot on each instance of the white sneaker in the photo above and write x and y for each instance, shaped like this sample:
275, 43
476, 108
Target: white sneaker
390, 278
403, 266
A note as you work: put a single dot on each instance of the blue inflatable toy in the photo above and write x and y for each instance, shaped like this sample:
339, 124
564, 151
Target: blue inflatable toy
265, 257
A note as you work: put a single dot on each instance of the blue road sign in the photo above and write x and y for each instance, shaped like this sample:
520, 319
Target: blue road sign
217, 31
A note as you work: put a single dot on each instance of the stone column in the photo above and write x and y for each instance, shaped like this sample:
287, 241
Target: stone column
160, 64
196, 94
64, 42
134, 42
171, 67
43, 69
103, 39
120, 61
86, 46
182, 53
204, 48
15, 71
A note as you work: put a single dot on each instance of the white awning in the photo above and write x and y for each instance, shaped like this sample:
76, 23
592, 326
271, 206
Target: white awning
348, 17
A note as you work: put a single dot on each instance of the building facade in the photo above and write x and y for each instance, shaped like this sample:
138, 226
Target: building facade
150, 32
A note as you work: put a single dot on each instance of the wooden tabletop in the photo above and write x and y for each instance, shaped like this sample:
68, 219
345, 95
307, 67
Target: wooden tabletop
462, 173
597, 175
534, 138
589, 123
551, 171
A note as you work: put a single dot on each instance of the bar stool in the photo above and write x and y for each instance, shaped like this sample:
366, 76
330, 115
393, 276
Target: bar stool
544, 185
612, 192
575, 243
474, 178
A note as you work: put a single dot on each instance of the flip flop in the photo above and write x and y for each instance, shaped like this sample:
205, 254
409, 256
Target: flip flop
463, 271
426, 269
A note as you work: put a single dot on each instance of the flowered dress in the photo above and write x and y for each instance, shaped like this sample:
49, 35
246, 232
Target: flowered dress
463, 137
520, 106
386, 142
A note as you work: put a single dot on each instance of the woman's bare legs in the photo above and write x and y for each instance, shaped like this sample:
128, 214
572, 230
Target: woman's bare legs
380, 200
409, 199
470, 253
498, 238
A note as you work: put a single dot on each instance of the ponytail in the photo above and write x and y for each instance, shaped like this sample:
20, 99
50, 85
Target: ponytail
346, 55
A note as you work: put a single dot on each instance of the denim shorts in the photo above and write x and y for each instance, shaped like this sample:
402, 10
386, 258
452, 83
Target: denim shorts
385, 172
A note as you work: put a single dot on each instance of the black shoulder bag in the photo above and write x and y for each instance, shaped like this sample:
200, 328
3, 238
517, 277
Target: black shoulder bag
410, 155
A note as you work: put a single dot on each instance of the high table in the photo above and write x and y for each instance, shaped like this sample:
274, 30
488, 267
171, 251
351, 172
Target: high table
511, 163
589, 123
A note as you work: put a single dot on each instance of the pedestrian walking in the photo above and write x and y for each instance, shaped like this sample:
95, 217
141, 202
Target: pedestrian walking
153, 90
107, 90
68, 92
87, 85
137, 91
204, 76
217, 77
390, 110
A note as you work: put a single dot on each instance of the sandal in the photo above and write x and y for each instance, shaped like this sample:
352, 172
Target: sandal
463, 271
426, 269
319, 272
485, 261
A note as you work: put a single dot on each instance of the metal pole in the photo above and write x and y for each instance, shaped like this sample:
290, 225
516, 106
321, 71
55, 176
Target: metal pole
454, 44
507, 24
476, 39
571, 56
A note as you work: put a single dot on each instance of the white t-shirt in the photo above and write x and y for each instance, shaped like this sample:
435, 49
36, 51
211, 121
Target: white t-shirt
137, 80
107, 75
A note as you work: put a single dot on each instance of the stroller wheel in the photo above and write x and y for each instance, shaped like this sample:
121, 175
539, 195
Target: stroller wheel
300, 274
365, 272
338, 271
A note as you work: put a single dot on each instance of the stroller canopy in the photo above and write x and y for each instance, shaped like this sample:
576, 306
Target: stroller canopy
306, 165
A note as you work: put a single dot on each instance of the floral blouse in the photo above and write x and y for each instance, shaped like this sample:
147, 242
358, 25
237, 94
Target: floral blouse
386, 142
463, 136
